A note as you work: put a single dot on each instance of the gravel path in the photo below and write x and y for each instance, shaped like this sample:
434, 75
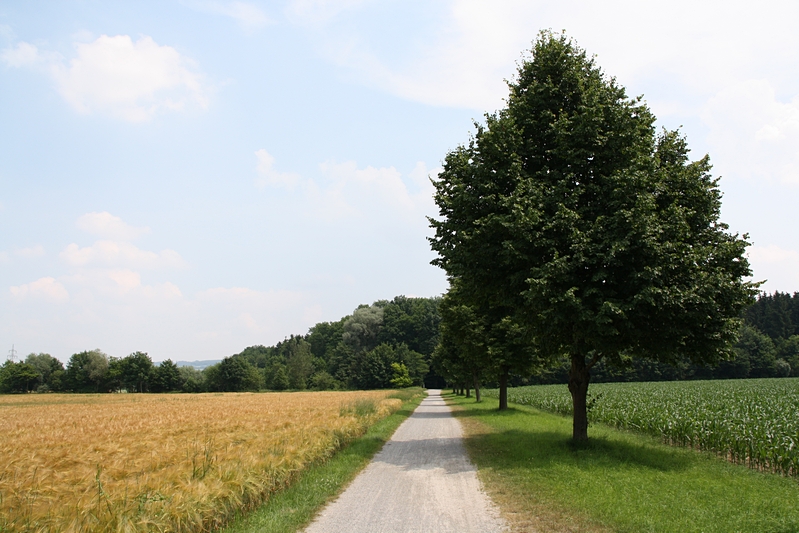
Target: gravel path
421, 481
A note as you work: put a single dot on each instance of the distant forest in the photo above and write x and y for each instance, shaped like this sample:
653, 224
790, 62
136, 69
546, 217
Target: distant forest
385, 345
768, 347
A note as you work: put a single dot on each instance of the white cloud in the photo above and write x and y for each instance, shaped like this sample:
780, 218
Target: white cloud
23, 55
317, 12
29, 253
347, 191
130, 80
457, 53
126, 280
271, 177
108, 226
247, 14
755, 134
115, 253
45, 288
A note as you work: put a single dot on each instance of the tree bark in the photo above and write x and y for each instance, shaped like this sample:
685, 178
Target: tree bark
476, 387
503, 388
468, 392
579, 376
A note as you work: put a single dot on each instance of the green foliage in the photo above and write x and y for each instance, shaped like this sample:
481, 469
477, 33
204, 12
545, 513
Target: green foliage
756, 353
299, 363
788, 351
362, 328
18, 377
132, 373
50, 369
165, 377
596, 237
749, 421
776, 315
277, 377
354, 352
324, 381
401, 377
232, 374
87, 372
191, 379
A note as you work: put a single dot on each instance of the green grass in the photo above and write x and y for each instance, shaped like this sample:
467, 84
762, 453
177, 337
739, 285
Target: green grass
293, 508
619, 481
750, 421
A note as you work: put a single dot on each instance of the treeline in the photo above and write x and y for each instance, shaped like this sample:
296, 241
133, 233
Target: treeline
386, 344
768, 346
383, 345
93, 371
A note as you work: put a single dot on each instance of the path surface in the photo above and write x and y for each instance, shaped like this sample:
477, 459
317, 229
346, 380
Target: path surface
421, 481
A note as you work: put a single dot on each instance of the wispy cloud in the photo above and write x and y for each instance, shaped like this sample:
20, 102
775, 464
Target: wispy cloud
30, 252
45, 288
268, 176
120, 77
247, 14
106, 225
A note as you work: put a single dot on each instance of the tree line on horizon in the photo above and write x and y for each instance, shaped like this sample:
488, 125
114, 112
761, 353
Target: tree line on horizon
380, 340
387, 344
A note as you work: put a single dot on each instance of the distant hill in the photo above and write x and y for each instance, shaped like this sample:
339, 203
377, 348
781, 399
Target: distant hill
199, 365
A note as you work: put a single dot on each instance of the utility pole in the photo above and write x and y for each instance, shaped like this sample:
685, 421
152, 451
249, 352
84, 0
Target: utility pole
12, 354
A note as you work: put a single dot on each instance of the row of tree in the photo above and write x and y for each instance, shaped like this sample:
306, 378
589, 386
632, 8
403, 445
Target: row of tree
91, 371
386, 344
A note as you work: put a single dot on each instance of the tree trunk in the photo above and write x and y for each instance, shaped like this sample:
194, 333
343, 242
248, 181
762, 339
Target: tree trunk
579, 376
468, 392
476, 387
503, 388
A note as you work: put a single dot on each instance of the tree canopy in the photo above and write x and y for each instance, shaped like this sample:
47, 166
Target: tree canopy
595, 234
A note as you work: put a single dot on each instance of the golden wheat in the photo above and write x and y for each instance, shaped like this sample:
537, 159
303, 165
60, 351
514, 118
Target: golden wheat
167, 463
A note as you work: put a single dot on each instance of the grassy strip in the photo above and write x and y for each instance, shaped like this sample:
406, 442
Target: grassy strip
620, 481
293, 508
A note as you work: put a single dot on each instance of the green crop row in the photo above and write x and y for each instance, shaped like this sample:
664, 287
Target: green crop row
752, 421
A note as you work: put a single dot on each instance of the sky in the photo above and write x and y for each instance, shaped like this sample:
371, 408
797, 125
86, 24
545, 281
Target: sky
188, 178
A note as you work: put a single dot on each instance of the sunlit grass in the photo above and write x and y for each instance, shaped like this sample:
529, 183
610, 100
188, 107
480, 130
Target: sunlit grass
620, 481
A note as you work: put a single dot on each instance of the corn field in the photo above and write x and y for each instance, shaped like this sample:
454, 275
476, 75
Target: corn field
167, 463
753, 421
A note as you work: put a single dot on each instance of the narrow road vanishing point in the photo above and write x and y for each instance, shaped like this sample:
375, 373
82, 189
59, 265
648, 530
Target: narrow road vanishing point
420, 482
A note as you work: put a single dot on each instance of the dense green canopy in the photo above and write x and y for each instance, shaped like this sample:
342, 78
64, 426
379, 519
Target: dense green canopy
598, 235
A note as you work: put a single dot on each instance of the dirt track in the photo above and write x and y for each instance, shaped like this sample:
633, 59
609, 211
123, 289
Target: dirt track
422, 481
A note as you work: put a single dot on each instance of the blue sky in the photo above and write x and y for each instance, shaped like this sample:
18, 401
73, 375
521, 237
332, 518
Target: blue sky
189, 178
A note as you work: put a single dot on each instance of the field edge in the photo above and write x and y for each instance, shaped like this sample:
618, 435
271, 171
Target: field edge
294, 507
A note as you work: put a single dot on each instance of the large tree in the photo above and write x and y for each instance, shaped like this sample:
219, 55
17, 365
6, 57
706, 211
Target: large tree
600, 235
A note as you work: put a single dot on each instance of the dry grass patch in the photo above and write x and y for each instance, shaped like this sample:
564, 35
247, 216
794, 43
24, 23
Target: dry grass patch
172, 463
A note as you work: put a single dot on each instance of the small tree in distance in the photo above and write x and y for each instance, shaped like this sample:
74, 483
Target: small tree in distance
600, 238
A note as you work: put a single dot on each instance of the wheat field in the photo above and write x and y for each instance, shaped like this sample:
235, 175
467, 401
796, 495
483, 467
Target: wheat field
167, 463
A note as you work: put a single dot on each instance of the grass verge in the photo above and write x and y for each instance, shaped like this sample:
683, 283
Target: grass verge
294, 507
619, 481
